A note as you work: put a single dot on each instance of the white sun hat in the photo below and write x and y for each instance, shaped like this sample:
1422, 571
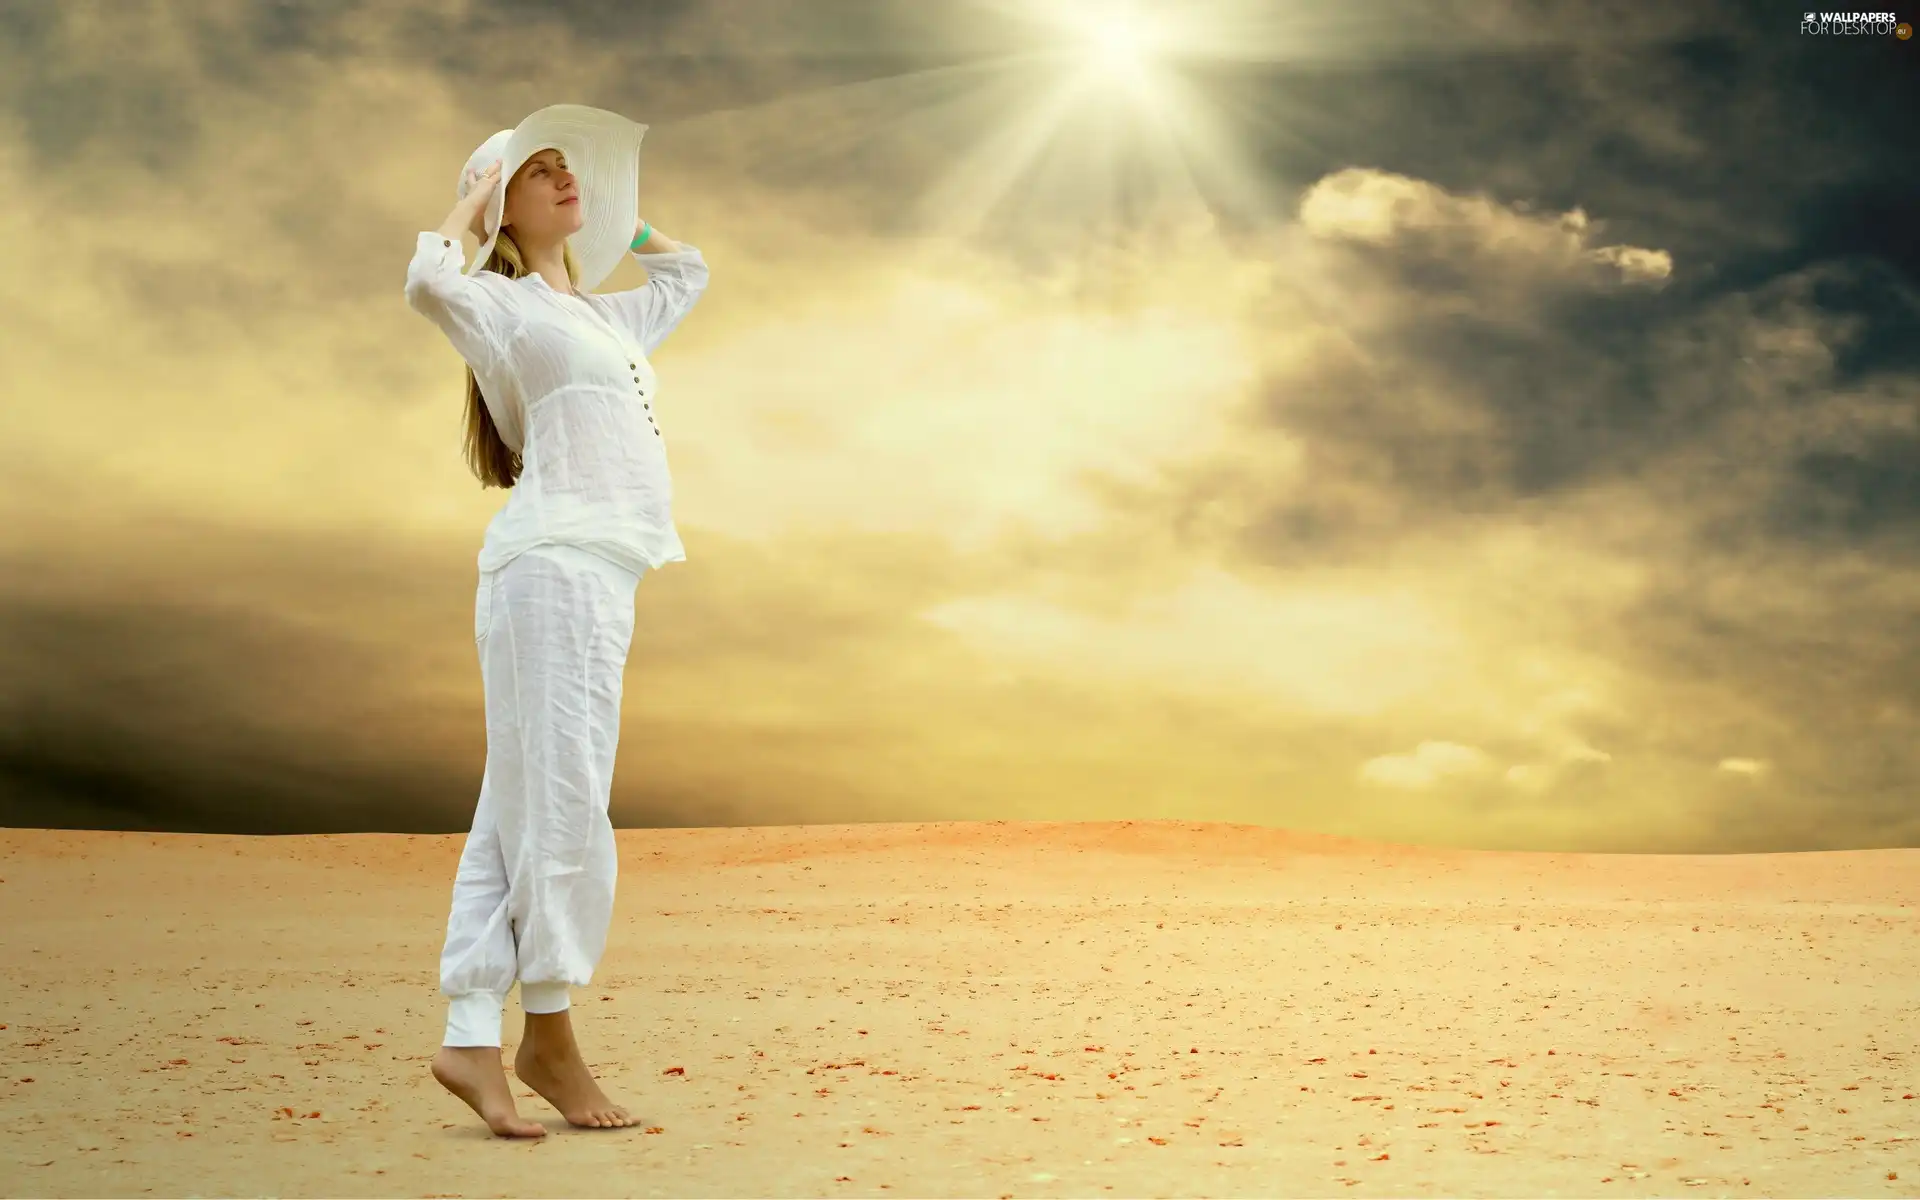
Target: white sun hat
603, 152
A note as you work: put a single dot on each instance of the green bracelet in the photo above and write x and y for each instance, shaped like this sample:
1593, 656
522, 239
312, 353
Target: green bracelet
646, 231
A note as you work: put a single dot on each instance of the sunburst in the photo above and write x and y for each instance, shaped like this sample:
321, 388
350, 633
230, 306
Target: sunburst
1087, 118
1106, 127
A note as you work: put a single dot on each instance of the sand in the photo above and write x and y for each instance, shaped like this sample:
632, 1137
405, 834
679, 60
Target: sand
1143, 1009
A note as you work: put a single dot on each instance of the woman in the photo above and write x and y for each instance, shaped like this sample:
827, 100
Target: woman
560, 408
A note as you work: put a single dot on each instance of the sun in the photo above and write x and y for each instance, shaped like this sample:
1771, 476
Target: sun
1121, 45
1118, 44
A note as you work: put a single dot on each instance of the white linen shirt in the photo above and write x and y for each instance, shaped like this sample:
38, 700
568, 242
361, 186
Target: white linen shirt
567, 382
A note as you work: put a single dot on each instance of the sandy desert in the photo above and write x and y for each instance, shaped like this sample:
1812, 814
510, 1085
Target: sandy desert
1001, 1009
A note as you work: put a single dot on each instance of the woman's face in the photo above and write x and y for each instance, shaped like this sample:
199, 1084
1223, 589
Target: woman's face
543, 201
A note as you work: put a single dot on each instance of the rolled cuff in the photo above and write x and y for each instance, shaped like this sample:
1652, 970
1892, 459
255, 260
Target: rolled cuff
434, 248
545, 997
686, 258
474, 1019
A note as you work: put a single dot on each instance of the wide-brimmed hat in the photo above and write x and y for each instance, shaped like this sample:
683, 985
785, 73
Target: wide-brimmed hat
603, 153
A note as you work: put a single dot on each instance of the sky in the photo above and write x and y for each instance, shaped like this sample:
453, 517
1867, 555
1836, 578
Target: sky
1482, 423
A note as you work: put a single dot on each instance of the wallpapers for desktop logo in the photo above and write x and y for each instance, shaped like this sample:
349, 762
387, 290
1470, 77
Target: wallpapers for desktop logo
1857, 24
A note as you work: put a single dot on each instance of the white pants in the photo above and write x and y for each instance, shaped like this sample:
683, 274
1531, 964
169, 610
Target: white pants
534, 892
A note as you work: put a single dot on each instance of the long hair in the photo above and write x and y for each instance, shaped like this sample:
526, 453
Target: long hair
487, 455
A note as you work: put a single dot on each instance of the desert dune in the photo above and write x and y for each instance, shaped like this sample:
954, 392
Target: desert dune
997, 1009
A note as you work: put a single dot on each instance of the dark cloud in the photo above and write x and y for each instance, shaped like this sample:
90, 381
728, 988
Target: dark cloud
1714, 131
1815, 665
1876, 299
1749, 153
72, 101
234, 695
136, 84
1483, 407
207, 679
1855, 495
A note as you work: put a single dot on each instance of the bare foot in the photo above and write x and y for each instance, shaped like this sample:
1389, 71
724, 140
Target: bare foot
474, 1074
552, 1066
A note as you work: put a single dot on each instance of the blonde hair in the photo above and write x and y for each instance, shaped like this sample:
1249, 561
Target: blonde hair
487, 455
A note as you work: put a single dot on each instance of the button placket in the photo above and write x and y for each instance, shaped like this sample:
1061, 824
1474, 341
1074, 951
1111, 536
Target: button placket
634, 366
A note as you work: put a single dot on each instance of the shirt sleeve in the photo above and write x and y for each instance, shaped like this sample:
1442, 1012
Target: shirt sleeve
469, 312
674, 282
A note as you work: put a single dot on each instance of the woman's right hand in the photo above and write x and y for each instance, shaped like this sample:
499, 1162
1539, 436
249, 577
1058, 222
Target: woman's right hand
479, 195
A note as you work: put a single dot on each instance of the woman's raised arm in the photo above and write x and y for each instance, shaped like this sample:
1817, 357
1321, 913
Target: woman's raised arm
676, 276
439, 289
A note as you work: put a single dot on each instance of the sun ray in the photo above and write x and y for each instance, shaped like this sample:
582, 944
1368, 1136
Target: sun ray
986, 175
830, 117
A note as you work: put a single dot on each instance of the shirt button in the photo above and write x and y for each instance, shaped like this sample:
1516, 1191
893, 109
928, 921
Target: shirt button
648, 407
446, 241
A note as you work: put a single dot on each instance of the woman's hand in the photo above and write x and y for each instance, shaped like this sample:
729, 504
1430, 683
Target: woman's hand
483, 188
469, 214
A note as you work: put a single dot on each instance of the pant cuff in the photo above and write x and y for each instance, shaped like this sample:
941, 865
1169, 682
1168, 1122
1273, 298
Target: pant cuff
474, 1019
545, 997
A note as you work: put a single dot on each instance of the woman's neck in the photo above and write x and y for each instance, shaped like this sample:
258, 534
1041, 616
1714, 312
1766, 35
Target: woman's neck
550, 264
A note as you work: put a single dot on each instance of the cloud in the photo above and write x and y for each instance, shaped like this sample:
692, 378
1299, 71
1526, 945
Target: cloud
1413, 218
1429, 764
1541, 778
